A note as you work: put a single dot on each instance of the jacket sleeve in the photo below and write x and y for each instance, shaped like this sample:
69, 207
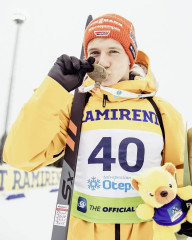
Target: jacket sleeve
40, 129
174, 137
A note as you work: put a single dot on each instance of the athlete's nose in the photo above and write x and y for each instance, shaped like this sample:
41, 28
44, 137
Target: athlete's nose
103, 60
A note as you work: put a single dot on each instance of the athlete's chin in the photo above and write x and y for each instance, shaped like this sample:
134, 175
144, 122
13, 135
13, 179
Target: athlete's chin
108, 82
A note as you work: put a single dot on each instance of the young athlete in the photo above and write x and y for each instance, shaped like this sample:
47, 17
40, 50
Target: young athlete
120, 137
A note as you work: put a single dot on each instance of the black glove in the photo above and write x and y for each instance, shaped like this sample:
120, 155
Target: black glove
70, 71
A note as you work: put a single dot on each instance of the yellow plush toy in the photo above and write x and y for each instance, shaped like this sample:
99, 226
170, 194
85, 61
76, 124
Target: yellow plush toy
163, 201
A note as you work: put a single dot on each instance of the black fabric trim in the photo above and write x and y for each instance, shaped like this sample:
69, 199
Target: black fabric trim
79, 102
56, 155
150, 99
117, 231
88, 95
105, 99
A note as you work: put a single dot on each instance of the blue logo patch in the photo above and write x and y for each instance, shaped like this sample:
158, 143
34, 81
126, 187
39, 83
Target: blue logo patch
82, 205
94, 183
175, 212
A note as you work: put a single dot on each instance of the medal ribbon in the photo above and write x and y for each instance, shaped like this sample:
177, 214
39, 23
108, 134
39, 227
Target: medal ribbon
117, 92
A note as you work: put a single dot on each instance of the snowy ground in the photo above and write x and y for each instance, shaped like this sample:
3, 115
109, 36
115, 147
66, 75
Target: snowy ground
28, 218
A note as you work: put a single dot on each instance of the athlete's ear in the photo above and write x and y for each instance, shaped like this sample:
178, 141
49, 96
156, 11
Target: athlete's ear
135, 182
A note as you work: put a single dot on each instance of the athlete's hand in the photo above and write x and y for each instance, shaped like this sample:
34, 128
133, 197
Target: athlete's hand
70, 71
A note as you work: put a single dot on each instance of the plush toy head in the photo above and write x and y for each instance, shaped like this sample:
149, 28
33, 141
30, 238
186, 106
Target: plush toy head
157, 186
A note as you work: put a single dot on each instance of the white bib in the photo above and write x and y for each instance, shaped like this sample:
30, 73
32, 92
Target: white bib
109, 158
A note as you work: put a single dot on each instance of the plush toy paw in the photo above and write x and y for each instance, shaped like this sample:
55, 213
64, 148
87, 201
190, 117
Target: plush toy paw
144, 211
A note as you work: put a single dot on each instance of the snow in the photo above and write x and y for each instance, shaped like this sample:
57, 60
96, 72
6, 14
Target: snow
29, 218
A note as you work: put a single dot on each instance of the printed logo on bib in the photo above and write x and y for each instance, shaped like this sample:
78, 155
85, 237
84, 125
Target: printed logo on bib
111, 209
175, 212
110, 183
121, 210
136, 115
82, 205
94, 183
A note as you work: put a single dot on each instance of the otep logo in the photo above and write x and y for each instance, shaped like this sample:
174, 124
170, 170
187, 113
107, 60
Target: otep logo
82, 205
66, 188
94, 183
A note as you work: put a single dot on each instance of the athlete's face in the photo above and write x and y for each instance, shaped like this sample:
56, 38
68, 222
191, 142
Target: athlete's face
111, 55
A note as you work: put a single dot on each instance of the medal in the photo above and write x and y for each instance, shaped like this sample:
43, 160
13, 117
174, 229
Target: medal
99, 74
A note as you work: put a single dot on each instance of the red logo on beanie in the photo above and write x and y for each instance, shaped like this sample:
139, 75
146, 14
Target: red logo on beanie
101, 33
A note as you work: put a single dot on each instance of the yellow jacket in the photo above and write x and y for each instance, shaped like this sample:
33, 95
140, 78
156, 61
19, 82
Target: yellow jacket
40, 130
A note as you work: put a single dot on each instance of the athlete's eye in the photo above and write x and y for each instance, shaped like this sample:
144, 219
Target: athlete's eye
150, 194
114, 52
170, 185
94, 53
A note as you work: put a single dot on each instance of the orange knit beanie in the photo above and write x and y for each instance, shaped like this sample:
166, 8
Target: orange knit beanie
116, 27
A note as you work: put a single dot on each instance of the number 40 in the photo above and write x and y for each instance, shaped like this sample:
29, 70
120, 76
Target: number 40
107, 160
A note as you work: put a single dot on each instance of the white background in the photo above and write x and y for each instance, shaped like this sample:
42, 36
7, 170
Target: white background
163, 31
53, 27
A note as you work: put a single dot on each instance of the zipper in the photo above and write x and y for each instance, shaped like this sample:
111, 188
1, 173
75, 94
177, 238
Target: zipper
105, 99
